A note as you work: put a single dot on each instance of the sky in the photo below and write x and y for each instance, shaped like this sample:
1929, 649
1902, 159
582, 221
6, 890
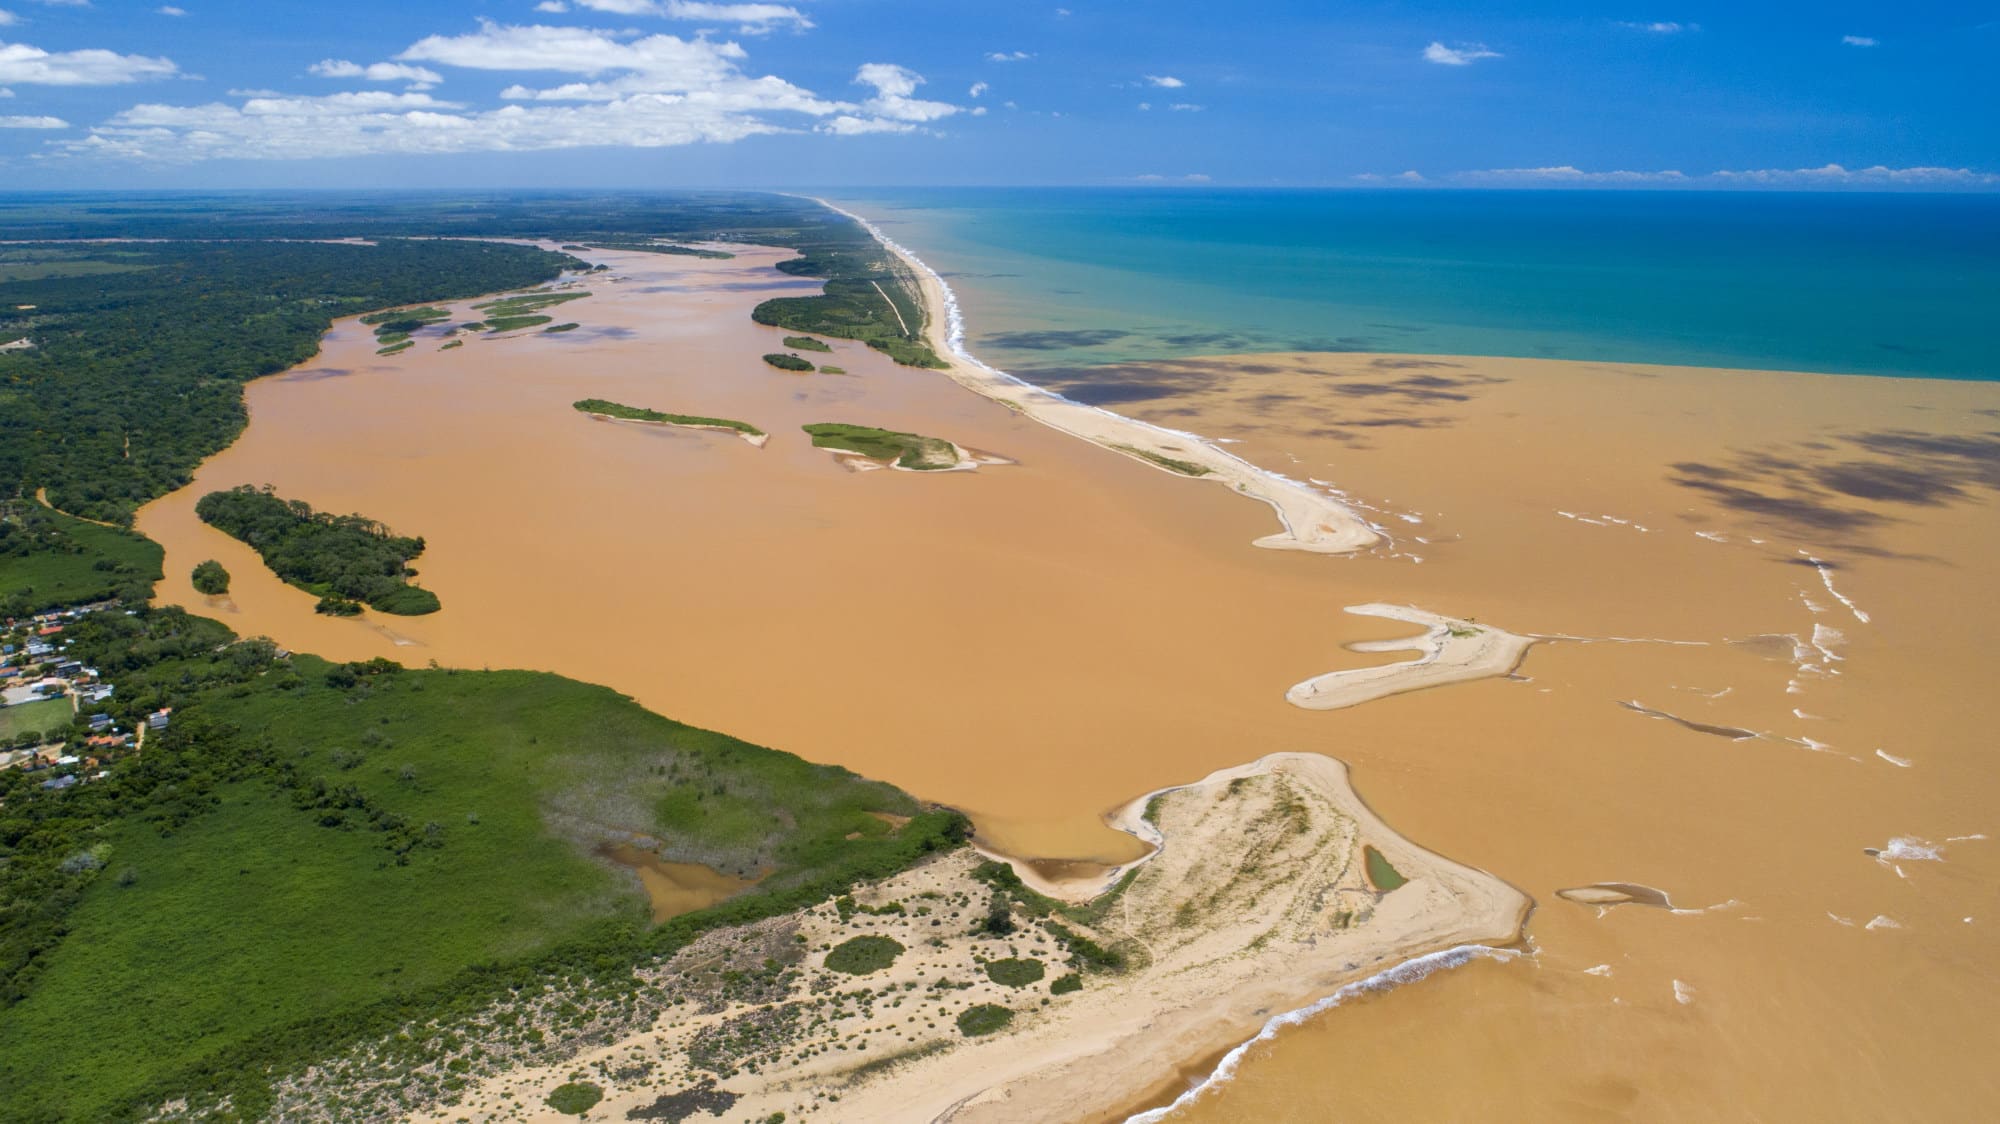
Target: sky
1834, 94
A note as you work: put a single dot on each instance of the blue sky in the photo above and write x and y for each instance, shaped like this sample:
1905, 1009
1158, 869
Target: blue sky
516, 93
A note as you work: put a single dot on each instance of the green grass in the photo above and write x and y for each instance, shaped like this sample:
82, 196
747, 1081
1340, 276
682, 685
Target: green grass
421, 315
34, 718
1380, 873
906, 450
826, 370
40, 271
1171, 464
513, 323
48, 559
985, 1018
1015, 972
448, 345
396, 347
859, 956
569, 327
788, 362
636, 413
257, 916
807, 343
522, 303
664, 248
575, 1098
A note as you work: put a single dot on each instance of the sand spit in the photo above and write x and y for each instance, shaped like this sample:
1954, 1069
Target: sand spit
1255, 902
1313, 520
755, 440
1454, 651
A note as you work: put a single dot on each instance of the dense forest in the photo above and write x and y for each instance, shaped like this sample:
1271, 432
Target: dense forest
343, 558
49, 560
134, 376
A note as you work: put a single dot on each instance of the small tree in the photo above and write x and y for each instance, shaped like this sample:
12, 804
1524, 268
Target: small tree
211, 579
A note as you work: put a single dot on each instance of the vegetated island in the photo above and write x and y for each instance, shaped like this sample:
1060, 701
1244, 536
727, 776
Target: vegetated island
348, 560
522, 311
618, 411
788, 362
807, 343
665, 248
887, 448
210, 579
960, 990
394, 328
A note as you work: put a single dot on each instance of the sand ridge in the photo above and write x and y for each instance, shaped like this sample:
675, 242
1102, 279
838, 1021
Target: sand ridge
1454, 651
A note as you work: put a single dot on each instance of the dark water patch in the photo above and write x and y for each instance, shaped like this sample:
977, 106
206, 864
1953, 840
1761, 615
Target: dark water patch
1888, 483
1226, 341
318, 373
1798, 511
1425, 422
1410, 329
597, 332
1733, 733
1265, 403
1055, 339
1337, 345
1968, 458
1397, 390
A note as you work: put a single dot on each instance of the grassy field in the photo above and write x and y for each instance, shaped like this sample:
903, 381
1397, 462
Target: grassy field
34, 717
637, 413
51, 559
905, 450
277, 908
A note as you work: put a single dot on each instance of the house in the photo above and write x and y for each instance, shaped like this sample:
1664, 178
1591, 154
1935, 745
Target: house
159, 718
60, 783
71, 670
49, 630
99, 721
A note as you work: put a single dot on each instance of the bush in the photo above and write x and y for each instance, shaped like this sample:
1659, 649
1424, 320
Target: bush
1015, 972
1063, 985
575, 1098
788, 362
983, 1019
862, 955
210, 578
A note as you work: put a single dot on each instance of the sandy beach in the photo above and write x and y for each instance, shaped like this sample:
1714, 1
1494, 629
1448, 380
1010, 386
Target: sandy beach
1258, 896
1107, 633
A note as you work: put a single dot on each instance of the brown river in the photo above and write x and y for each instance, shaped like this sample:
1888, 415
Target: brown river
1722, 719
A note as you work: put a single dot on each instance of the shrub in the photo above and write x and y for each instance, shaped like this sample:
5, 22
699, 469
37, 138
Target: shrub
788, 362
862, 955
1015, 972
983, 1019
1063, 985
210, 578
575, 1098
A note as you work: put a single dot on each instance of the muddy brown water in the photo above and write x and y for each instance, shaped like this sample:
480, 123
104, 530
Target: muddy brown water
1037, 643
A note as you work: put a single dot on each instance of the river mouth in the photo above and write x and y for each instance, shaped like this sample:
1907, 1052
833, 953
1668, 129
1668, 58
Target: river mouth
675, 888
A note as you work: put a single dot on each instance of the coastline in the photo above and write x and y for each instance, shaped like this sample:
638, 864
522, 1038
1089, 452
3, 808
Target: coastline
1312, 521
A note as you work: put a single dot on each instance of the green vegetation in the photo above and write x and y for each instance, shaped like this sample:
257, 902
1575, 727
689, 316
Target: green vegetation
575, 1098
1066, 983
870, 295
807, 343
1171, 464
393, 348
210, 578
1462, 631
1015, 972
346, 557
449, 344
664, 248
1380, 874
905, 450
635, 413
393, 328
788, 362
423, 840
570, 327
48, 559
983, 1018
137, 374
513, 323
859, 956
48, 717
828, 370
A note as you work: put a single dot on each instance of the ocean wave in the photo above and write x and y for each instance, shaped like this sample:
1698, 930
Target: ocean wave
1408, 972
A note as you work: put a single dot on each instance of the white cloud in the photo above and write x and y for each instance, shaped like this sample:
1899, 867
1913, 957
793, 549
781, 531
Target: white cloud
552, 6
1461, 55
1659, 27
1165, 81
33, 123
1145, 105
623, 89
1834, 175
1858, 40
1185, 107
8, 19
170, 10
751, 19
1008, 56
5, 92
977, 89
419, 77
34, 66
1566, 174
1155, 177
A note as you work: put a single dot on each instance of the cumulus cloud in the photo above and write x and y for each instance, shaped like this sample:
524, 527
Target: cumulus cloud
170, 10
1008, 56
1462, 55
1659, 27
614, 89
1858, 40
977, 89
750, 19
1165, 81
33, 123
1185, 107
8, 19
1834, 175
32, 66
377, 72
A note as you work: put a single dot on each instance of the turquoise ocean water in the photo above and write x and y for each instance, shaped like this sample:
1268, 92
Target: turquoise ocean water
1058, 279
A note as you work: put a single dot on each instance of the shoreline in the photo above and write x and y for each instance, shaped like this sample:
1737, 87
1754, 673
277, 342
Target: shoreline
1312, 521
